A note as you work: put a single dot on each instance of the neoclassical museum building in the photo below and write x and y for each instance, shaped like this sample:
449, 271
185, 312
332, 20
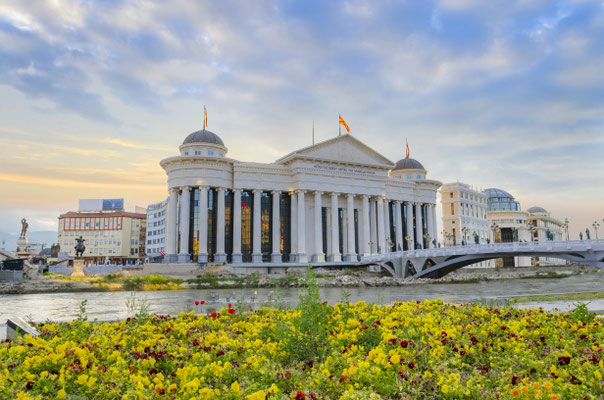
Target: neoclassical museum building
332, 202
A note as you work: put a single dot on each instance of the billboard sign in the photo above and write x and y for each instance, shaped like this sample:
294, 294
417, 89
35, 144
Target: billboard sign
101, 204
113, 204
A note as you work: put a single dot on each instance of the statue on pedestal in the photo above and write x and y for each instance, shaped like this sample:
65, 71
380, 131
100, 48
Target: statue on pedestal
80, 248
22, 241
24, 226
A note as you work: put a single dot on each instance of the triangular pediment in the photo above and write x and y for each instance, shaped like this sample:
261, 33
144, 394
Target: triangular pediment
345, 148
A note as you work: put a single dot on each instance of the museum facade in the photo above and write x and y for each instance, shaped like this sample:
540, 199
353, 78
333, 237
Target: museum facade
332, 202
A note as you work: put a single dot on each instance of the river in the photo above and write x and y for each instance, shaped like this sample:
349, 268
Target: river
107, 306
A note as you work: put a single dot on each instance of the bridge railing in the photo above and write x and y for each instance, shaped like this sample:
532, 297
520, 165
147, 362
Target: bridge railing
550, 245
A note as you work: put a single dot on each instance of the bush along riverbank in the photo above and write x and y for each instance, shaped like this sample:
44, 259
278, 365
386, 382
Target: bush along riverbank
223, 279
413, 350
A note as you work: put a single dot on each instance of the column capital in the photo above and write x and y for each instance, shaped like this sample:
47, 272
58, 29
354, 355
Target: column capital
350, 195
274, 192
365, 196
186, 187
220, 189
202, 187
173, 189
318, 192
397, 202
300, 190
334, 193
237, 190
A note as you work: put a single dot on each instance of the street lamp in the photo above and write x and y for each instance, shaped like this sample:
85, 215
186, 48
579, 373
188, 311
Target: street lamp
427, 240
566, 227
408, 240
464, 230
596, 226
495, 228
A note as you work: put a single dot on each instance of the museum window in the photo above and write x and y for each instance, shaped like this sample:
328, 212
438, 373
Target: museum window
210, 153
193, 225
452, 209
228, 224
212, 217
285, 226
247, 212
341, 229
393, 223
266, 225
404, 219
324, 216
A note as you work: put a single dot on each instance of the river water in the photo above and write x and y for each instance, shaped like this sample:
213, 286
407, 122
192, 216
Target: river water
107, 306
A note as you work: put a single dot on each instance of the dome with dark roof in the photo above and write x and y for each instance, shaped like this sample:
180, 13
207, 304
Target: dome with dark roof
536, 209
203, 136
408, 163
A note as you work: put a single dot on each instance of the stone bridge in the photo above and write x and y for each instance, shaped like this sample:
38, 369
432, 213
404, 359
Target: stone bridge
437, 262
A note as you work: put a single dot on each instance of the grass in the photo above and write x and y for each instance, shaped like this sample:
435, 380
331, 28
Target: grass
560, 297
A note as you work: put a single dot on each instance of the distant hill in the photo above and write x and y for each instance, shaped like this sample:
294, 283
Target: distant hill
8, 241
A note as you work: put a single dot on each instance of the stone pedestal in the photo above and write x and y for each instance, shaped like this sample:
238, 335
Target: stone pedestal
21, 244
78, 268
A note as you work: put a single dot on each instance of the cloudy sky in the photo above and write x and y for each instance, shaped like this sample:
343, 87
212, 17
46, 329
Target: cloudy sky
506, 94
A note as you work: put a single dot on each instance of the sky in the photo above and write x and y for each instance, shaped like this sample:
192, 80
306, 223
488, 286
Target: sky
506, 94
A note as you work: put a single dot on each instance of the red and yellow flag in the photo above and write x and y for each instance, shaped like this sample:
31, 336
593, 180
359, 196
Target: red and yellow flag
342, 122
205, 115
407, 148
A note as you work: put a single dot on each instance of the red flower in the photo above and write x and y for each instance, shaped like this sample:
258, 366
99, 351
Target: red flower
213, 315
196, 303
230, 305
563, 360
404, 343
300, 395
231, 311
203, 302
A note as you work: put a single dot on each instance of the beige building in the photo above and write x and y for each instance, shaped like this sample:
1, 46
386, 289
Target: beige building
115, 237
464, 214
544, 227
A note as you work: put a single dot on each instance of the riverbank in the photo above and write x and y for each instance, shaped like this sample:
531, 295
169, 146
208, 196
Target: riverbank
220, 278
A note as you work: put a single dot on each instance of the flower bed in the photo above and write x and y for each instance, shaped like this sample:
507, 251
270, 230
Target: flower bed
427, 350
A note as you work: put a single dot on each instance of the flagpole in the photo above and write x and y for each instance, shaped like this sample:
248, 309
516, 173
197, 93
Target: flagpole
339, 126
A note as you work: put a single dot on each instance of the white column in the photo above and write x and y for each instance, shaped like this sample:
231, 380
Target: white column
430, 225
372, 226
257, 231
185, 209
409, 221
220, 255
351, 255
202, 253
380, 227
319, 256
276, 255
366, 238
236, 215
293, 256
335, 255
434, 222
398, 225
171, 226
302, 257
419, 227
386, 225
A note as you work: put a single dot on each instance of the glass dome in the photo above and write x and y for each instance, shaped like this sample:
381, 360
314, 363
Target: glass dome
500, 200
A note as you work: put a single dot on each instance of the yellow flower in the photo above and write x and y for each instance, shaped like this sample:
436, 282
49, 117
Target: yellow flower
395, 359
273, 389
445, 389
61, 394
259, 395
235, 387
82, 379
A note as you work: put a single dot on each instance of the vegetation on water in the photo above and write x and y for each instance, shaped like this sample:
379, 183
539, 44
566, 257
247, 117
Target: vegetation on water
560, 297
111, 282
411, 350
